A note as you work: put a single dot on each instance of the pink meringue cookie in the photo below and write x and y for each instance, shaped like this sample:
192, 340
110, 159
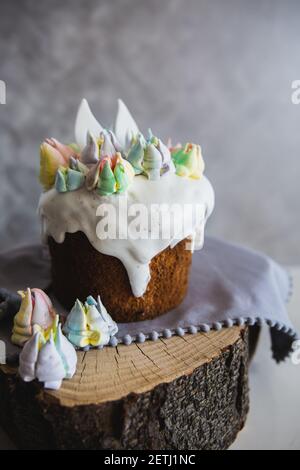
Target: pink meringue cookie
66, 151
36, 311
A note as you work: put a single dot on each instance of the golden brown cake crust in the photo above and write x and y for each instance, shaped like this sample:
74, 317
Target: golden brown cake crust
78, 270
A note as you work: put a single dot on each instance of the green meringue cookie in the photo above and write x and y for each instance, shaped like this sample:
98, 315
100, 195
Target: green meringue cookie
188, 161
136, 156
60, 181
121, 178
107, 182
152, 163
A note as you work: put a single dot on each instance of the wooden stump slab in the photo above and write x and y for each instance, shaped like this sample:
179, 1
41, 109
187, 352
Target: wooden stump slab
187, 392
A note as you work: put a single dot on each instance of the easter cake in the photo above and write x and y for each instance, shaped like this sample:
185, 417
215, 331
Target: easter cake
96, 194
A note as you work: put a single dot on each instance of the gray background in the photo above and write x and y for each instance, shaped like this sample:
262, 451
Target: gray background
216, 72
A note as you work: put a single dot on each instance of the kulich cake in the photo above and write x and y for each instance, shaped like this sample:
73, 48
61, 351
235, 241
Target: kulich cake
122, 214
169, 272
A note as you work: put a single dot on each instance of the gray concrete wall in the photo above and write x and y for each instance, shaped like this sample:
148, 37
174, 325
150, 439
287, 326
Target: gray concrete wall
218, 72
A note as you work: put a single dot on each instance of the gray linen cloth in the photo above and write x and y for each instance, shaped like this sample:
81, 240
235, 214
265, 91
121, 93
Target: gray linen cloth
229, 285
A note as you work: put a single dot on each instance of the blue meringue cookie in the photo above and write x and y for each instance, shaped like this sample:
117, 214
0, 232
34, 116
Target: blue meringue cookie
68, 179
60, 182
74, 180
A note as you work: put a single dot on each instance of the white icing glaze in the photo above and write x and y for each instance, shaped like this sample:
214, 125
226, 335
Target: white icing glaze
77, 211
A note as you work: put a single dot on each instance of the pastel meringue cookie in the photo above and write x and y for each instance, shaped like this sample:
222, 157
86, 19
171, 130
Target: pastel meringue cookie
89, 324
90, 152
68, 179
109, 172
107, 161
188, 161
99, 166
53, 155
48, 358
151, 157
36, 310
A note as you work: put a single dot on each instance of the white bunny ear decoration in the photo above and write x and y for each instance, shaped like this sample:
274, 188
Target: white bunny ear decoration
125, 126
85, 123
